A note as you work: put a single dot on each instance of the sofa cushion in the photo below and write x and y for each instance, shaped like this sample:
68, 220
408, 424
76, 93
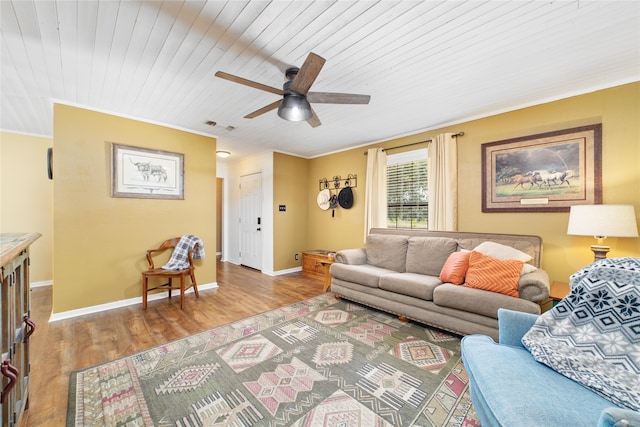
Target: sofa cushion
387, 251
427, 255
455, 268
500, 251
509, 388
365, 274
492, 274
485, 303
411, 284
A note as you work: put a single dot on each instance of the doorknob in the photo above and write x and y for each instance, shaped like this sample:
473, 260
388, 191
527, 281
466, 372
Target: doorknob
258, 229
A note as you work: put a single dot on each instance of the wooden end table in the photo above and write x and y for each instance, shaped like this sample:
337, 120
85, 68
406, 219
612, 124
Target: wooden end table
326, 265
558, 291
316, 263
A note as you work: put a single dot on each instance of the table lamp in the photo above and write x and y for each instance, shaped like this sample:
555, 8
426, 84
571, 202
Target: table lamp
602, 221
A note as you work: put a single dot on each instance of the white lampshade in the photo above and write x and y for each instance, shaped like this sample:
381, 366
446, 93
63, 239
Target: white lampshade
603, 221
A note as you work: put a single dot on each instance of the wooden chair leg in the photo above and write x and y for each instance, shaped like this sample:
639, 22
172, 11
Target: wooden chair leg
195, 285
181, 291
144, 292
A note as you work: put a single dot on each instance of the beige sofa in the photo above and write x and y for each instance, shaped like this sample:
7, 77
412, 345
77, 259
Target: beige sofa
398, 272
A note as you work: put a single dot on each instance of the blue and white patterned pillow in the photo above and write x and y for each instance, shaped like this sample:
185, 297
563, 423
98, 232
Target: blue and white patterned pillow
593, 335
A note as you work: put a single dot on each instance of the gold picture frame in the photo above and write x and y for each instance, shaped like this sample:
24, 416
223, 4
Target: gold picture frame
547, 172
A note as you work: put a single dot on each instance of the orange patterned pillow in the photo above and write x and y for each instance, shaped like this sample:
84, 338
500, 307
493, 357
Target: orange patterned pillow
455, 268
492, 274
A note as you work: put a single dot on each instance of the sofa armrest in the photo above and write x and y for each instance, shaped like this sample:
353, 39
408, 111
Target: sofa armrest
352, 256
617, 417
512, 325
534, 286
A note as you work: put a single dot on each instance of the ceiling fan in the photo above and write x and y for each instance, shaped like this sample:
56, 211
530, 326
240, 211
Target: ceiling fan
294, 105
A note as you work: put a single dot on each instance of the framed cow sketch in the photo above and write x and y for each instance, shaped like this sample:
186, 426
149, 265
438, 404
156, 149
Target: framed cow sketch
144, 173
548, 172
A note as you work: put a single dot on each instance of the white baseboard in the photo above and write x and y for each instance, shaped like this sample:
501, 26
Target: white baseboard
118, 304
41, 284
274, 273
281, 272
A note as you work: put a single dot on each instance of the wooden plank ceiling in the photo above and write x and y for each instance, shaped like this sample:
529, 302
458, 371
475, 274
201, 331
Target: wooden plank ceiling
425, 63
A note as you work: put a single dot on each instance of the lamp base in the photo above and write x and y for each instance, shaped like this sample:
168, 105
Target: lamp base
599, 252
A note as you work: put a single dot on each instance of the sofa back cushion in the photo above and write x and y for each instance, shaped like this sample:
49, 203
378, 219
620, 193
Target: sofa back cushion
500, 251
427, 255
528, 244
387, 251
524, 246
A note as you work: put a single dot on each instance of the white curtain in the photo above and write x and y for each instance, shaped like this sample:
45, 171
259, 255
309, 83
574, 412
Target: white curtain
442, 173
375, 209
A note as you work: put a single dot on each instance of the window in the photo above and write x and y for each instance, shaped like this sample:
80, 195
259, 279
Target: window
407, 191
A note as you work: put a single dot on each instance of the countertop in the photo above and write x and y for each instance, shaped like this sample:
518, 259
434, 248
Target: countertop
11, 244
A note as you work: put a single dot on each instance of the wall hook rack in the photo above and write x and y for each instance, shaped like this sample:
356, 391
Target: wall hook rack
336, 183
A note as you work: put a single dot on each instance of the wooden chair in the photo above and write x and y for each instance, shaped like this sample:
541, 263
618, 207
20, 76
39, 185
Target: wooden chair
159, 273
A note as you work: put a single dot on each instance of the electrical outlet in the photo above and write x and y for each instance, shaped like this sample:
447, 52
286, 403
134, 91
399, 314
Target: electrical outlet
296, 257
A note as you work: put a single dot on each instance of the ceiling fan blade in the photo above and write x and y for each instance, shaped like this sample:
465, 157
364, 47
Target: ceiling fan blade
337, 98
263, 110
314, 120
307, 73
249, 83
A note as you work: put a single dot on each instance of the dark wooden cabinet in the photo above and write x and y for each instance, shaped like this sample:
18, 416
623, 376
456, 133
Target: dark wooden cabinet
15, 324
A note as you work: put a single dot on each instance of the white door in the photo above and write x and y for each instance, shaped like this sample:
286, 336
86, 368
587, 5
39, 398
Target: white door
251, 220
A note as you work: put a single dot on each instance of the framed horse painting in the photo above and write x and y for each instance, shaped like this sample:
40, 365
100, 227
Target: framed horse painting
547, 172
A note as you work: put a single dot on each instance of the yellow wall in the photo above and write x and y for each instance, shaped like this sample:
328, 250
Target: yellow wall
618, 109
346, 228
26, 196
290, 176
100, 241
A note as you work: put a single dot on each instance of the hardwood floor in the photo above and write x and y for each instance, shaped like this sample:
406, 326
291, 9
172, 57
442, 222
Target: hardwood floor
60, 347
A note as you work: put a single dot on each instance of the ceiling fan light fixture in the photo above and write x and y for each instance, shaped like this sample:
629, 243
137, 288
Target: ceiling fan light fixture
294, 104
294, 108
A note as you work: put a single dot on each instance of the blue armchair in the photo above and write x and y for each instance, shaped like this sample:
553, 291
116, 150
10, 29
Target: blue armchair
510, 388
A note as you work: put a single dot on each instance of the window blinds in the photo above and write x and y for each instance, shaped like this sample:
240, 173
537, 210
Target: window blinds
407, 191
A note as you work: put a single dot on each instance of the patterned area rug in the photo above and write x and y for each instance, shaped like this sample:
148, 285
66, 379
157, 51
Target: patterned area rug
319, 362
